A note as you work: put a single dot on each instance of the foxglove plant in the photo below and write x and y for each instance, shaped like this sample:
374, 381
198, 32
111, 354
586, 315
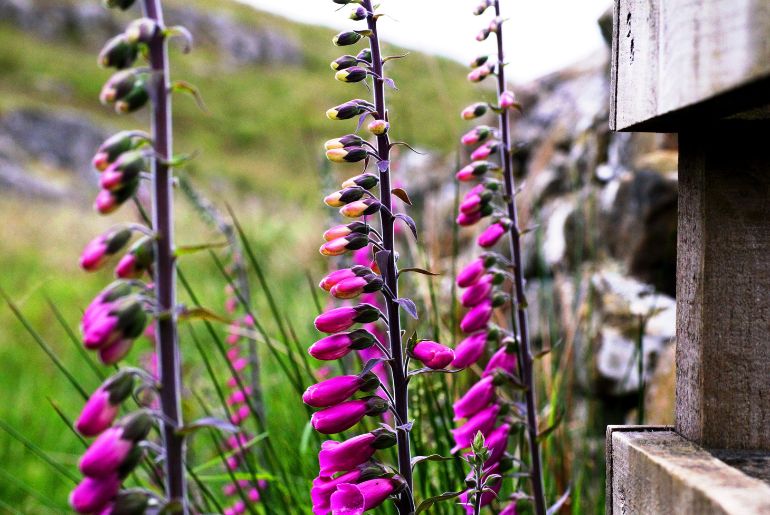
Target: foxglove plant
350, 479
119, 314
484, 280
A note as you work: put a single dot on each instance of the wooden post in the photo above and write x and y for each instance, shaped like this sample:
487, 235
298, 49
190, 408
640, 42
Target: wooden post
723, 286
702, 68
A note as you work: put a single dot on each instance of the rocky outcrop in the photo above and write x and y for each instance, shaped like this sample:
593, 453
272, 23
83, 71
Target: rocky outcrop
88, 22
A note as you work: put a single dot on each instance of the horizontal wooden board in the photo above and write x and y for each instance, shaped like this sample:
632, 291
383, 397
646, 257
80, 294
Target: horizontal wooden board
672, 56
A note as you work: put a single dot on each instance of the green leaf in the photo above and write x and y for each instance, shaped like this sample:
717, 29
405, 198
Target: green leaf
431, 457
199, 313
185, 87
216, 461
418, 271
177, 31
542, 435
183, 250
429, 502
207, 422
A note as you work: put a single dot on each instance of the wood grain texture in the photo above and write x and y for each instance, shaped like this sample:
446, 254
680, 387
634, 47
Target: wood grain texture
671, 55
723, 287
661, 473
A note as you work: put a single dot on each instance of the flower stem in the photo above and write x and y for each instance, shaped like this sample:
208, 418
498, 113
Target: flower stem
169, 362
400, 388
525, 354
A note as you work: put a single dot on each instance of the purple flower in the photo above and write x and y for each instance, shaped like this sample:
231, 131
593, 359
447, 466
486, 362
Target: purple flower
102, 247
465, 220
338, 389
342, 417
477, 317
492, 235
482, 421
350, 499
478, 292
478, 397
432, 354
339, 319
106, 453
93, 494
497, 442
337, 345
469, 350
503, 360
471, 273
340, 456
102, 407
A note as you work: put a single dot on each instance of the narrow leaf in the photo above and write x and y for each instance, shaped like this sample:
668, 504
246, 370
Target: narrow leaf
402, 194
391, 57
186, 87
199, 313
381, 258
370, 365
210, 422
390, 83
427, 370
543, 434
409, 306
429, 502
177, 31
418, 271
183, 250
431, 457
409, 221
40, 453
558, 504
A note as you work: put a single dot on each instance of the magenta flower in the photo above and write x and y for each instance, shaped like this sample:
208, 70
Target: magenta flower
497, 442
485, 150
492, 234
339, 246
486, 498
340, 456
342, 417
347, 499
337, 345
471, 273
478, 292
433, 355
106, 453
478, 397
94, 494
339, 319
465, 220
482, 421
338, 389
340, 231
324, 487
115, 351
102, 407
470, 350
477, 317
476, 135
102, 247
350, 499
510, 509
503, 360
355, 286
508, 100
335, 277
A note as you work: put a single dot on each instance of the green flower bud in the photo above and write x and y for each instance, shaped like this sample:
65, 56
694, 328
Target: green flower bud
365, 55
118, 53
479, 61
351, 74
346, 111
358, 14
130, 502
342, 62
134, 100
346, 38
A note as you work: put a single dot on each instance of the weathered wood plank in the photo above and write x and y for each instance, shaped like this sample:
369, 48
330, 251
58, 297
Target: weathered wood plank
723, 287
661, 473
675, 55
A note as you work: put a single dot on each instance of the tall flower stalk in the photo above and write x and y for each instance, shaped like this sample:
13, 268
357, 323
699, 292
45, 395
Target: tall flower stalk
484, 277
350, 479
146, 280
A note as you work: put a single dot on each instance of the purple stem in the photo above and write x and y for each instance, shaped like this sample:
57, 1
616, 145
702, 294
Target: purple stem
165, 268
400, 390
525, 354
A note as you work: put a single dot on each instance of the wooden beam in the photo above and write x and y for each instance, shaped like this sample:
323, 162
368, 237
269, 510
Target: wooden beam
677, 61
654, 471
723, 286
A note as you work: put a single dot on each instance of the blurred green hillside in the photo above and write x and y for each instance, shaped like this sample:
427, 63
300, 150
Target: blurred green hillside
258, 147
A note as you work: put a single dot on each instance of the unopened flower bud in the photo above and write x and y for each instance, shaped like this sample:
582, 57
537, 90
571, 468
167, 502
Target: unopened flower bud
493, 233
346, 2
102, 406
366, 181
474, 170
358, 14
346, 38
341, 231
134, 100
474, 111
108, 201
120, 4
342, 62
142, 30
338, 345
432, 354
479, 10
347, 154
119, 85
479, 61
351, 74
378, 127
494, 25
137, 260
339, 246
346, 196
129, 502
354, 286
499, 299
485, 150
365, 55
508, 100
358, 208
482, 35
477, 135
116, 145
346, 111
118, 53
124, 170
102, 247
339, 319
480, 73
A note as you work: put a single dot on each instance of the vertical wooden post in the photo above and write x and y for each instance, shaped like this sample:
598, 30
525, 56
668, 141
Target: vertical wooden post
723, 286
